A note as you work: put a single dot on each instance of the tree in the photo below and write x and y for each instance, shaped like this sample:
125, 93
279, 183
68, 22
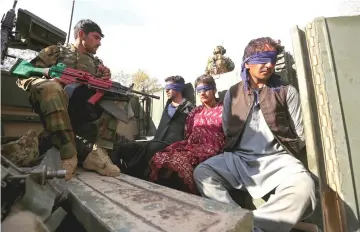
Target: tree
123, 78
143, 82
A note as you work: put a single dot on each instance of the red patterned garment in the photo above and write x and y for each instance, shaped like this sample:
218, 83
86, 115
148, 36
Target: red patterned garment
204, 138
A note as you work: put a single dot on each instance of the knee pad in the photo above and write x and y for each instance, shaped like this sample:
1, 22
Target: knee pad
49, 97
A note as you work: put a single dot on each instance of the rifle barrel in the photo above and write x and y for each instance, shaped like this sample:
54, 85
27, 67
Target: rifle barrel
120, 86
14, 4
145, 94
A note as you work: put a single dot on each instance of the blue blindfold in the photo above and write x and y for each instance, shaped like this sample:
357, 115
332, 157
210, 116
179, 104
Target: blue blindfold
175, 86
257, 58
204, 88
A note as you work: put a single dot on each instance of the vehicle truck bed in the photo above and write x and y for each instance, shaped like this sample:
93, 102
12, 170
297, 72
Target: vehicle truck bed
126, 203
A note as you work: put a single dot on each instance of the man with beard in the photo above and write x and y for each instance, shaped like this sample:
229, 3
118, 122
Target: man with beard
133, 158
50, 100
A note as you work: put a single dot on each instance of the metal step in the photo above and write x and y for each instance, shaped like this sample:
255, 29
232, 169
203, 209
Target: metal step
129, 204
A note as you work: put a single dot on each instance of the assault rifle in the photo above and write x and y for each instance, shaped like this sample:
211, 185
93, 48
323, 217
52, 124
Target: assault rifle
64, 75
7, 25
68, 76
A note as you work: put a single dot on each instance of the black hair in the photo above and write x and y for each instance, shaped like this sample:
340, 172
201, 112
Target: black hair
205, 79
175, 79
259, 44
87, 26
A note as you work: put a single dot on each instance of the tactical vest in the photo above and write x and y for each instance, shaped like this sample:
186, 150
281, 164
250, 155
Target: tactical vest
81, 61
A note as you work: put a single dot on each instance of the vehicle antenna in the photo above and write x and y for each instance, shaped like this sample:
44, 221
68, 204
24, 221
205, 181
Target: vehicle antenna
71, 17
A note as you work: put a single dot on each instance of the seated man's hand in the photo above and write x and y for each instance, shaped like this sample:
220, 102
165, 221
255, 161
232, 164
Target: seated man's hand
105, 71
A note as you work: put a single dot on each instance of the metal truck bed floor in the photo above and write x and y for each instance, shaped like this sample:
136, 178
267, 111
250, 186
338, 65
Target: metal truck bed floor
129, 204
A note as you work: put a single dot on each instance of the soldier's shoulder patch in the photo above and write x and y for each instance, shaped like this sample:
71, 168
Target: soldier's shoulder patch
51, 49
48, 56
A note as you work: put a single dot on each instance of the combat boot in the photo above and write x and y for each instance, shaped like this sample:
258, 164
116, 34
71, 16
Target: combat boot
98, 160
69, 165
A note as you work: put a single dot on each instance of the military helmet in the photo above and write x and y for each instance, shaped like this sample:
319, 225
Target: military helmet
219, 50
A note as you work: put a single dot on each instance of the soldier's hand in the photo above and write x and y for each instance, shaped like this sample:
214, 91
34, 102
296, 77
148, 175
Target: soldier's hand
106, 73
46, 72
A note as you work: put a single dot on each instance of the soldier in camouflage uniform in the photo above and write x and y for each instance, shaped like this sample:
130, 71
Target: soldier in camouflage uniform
50, 101
218, 63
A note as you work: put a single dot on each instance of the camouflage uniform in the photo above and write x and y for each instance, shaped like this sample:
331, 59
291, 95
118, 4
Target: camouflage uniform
218, 63
25, 148
51, 102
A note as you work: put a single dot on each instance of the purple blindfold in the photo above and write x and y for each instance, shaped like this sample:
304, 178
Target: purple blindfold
258, 58
175, 86
202, 88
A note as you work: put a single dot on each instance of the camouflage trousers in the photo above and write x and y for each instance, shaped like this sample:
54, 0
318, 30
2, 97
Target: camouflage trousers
51, 102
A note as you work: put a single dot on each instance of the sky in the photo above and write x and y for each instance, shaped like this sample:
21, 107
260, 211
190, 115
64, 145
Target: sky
175, 37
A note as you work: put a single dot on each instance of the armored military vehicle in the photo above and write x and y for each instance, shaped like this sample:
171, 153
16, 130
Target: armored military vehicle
37, 190
88, 202
321, 67
32, 34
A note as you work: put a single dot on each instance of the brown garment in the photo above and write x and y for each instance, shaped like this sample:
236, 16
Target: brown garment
23, 221
274, 108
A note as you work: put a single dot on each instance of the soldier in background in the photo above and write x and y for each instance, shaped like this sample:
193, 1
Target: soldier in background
218, 63
51, 102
